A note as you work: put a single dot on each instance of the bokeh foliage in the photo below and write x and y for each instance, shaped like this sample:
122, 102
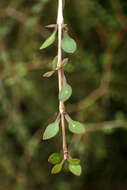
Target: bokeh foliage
97, 72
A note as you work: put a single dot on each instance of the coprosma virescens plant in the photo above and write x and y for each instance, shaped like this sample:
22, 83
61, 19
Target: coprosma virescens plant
68, 45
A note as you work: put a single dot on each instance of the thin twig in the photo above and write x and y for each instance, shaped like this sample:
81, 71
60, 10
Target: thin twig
60, 76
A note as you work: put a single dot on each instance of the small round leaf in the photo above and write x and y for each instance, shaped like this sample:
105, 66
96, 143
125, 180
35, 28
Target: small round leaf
51, 130
65, 92
68, 44
75, 169
76, 127
55, 158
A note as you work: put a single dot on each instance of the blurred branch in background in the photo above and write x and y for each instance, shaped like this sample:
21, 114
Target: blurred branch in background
120, 15
114, 40
23, 18
107, 127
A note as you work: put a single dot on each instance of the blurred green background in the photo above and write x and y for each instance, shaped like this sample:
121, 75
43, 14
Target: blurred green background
97, 73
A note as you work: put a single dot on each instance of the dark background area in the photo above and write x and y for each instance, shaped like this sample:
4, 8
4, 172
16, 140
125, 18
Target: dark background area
97, 73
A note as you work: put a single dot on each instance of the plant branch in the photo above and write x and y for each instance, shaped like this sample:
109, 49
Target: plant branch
60, 76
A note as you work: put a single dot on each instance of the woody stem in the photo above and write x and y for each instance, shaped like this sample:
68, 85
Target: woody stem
60, 76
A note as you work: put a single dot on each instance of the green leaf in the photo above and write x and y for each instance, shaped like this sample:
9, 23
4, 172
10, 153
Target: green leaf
57, 168
75, 169
65, 93
54, 63
55, 158
49, 41
68, 44
74, 161
51, 130
75, 126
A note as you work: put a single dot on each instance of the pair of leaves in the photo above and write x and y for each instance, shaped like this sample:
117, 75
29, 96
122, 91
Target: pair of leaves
54, 63
75, 169
68, 44
64, 63
51, 130
75, 126
66, 91
54, 67
56, 159
49, 41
